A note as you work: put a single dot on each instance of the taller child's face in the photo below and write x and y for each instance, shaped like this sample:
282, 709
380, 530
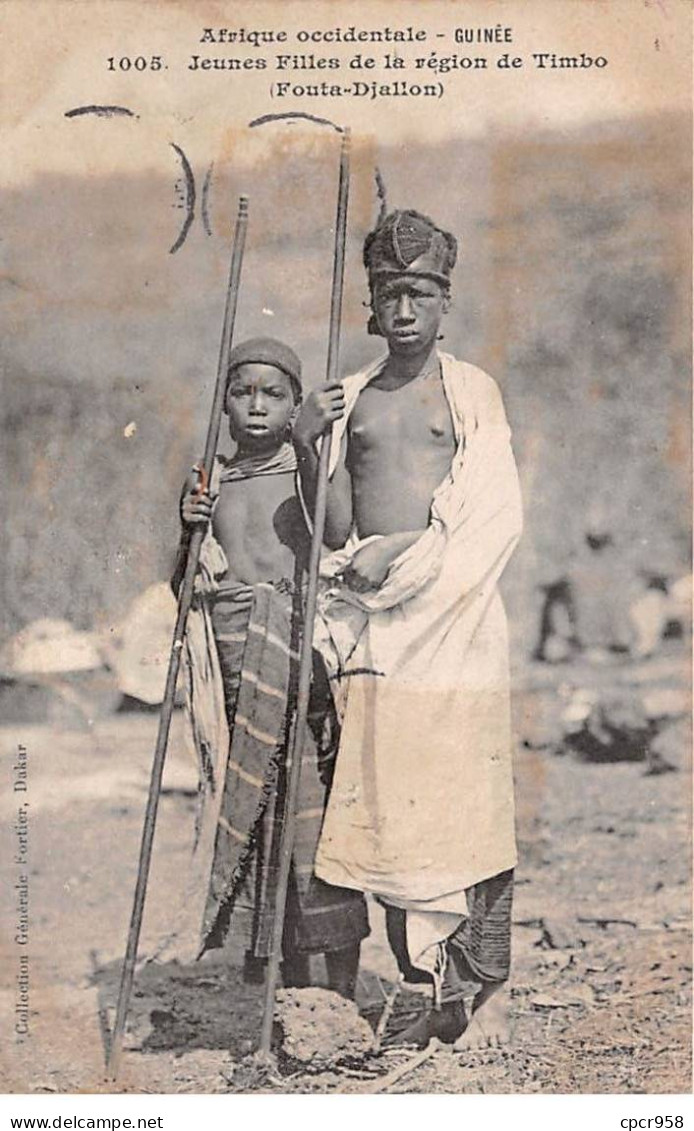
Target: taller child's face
409, 311
261, 405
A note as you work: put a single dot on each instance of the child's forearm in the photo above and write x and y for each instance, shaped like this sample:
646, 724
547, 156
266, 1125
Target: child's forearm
338, 517
195, 512
398, 543
307, 461
181, 560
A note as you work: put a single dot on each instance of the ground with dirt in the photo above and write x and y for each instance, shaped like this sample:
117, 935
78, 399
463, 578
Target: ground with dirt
602, 953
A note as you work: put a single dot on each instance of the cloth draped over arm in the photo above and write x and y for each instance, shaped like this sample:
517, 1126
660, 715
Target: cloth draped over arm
206, 715
422, 802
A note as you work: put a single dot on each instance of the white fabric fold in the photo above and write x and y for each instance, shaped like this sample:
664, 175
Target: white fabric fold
422, 801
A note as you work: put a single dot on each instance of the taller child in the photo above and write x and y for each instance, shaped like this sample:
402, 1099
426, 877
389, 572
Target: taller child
423, 513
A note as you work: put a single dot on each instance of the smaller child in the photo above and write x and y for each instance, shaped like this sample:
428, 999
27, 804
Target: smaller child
252, 561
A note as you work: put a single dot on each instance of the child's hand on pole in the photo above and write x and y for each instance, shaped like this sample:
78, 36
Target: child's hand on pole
196, 508
319, 411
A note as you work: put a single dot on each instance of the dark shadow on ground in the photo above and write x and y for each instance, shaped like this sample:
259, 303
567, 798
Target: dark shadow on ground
208, 1005
202, 1006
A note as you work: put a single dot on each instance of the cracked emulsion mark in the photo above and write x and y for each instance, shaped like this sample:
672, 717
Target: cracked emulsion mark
101, 112
355, 671
205, 201
294, 115
188, 201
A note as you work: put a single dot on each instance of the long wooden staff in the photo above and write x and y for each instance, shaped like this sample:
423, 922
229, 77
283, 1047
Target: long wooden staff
185, 596
298, 736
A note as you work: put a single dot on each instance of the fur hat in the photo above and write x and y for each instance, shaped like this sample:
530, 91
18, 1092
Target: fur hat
406, 242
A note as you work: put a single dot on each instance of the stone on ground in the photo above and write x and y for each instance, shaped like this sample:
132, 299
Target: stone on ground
319, 1028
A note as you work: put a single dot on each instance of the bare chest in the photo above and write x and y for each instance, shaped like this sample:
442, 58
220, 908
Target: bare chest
259, 522
410, 422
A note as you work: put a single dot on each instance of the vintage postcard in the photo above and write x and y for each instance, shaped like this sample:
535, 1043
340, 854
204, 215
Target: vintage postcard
370, 324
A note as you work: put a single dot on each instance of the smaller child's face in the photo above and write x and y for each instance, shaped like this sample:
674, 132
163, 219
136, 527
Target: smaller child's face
261, 404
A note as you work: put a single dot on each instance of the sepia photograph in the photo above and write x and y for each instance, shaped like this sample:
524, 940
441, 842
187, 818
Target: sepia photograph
345, 649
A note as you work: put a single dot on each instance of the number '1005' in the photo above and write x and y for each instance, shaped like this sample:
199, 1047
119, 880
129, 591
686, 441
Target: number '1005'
139, 63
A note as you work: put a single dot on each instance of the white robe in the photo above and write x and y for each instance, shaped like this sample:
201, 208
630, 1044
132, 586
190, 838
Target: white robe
422, 801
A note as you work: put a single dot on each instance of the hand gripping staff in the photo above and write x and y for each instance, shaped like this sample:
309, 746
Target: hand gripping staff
185, 596
298, 733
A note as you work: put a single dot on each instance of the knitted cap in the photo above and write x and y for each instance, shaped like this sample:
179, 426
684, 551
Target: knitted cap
406, 242
266, 351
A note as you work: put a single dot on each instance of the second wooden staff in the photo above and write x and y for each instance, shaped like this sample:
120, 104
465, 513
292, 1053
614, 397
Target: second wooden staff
298, 736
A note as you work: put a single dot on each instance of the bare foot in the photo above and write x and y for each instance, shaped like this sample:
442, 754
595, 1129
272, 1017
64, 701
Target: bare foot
446, 1024
489, 1025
